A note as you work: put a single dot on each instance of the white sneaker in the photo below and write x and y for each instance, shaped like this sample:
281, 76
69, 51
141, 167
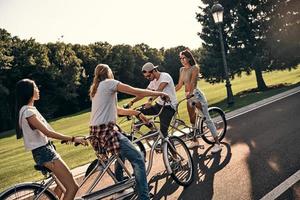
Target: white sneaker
216, 148
123, 194
193, 144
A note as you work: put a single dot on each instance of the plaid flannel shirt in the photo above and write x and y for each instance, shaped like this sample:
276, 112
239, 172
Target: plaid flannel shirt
106, 138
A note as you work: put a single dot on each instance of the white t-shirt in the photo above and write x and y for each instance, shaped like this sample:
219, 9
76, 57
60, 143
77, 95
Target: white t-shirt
169, 89
104, 103
32, 138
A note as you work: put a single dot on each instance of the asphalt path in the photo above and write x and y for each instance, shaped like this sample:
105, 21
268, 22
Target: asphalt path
260, 151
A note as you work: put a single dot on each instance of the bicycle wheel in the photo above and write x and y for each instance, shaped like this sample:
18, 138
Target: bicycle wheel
219, 120
178, 161
27, 191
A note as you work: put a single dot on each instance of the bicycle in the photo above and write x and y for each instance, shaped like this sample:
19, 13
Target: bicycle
176, 156
187, 133
42, 190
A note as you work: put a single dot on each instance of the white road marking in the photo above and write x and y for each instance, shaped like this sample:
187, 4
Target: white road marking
276, 192
262, 103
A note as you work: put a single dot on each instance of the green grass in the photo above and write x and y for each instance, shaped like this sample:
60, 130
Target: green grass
17, 164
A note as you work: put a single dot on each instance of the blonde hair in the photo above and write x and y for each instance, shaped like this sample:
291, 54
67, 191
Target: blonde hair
102, 72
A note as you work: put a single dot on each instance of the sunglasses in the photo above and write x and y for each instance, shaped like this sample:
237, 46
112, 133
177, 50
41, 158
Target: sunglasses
182, 58
144, 71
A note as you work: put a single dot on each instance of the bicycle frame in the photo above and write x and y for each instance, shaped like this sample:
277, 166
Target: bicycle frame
176, 119
201, 128
157, 132
104, 162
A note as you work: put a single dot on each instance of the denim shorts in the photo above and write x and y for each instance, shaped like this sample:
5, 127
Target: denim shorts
44, 154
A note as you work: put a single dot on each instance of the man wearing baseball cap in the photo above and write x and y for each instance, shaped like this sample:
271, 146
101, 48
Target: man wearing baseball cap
159, 81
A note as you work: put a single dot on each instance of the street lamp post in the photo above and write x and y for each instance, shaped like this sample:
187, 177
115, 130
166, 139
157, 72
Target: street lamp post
217, 12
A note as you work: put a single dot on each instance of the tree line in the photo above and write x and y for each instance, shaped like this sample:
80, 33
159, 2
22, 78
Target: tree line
260, 36
64, 72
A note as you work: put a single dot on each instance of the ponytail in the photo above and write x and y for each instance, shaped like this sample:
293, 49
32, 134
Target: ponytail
94, 86
102, 72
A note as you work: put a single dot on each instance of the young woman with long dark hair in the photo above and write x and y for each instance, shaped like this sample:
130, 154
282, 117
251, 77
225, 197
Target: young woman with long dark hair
188, 77
36, 131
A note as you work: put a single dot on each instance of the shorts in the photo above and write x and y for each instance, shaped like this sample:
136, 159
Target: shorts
44, 154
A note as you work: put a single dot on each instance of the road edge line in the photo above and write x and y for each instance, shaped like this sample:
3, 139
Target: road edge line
281, 188
261, 103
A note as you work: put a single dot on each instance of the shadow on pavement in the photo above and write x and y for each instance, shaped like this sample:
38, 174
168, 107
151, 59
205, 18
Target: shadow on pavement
206, 165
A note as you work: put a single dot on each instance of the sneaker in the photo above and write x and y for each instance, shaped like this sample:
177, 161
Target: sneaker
193, 144
216, 148
123, 194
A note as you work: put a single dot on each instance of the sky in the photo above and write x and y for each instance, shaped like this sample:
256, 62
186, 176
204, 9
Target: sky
157, 23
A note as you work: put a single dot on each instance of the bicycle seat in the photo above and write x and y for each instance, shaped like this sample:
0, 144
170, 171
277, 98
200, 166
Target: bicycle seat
42, 169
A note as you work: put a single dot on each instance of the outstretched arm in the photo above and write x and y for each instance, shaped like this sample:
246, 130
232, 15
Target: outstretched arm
130, 112
140, 93
35, 123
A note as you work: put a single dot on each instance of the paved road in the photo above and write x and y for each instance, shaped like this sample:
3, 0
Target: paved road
261, 150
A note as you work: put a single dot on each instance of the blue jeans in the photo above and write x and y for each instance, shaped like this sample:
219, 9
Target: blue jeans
128, 151
200, 97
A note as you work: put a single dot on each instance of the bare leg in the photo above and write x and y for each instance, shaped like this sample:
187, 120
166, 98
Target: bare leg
62, 172
192, 114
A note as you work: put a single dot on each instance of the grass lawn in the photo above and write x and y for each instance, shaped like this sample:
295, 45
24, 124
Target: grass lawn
17, 165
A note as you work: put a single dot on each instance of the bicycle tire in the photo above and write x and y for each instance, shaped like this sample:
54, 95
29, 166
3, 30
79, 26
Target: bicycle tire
28, 191
218, 117
140, 148
181, 171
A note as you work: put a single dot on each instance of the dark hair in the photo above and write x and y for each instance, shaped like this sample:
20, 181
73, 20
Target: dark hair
24, 92
187, 53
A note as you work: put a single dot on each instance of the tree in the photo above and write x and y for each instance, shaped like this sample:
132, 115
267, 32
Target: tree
6, 59
65, 71
172, 63
143, 53
283, 34
246, 30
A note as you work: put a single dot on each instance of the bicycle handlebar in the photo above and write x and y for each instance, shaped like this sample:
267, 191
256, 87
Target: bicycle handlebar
75, 143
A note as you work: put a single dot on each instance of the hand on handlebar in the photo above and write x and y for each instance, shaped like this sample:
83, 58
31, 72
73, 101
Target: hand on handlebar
189, 96
165, 97
128, 105
146, 105
80, 140
143, 118
77, 140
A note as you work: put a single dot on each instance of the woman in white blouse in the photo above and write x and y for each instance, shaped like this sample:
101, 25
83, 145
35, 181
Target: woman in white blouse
35, 130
